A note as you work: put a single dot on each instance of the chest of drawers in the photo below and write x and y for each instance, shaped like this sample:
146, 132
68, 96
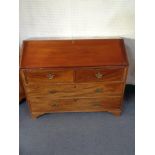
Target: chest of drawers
74, 75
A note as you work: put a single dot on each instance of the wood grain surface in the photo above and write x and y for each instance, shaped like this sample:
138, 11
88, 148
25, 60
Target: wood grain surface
98, 75
76, 105
77, 53
82, 90
48, 76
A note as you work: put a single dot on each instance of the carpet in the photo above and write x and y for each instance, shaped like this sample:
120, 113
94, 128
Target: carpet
98, 133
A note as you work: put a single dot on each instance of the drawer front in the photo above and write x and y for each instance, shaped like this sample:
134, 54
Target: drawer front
83, 90
42, 76
98, 75
77, 105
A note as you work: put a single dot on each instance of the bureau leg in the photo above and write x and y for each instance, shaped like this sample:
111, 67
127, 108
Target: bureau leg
116, 113
35, 115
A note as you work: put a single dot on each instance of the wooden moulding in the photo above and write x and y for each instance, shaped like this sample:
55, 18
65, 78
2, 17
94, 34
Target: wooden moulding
35, 115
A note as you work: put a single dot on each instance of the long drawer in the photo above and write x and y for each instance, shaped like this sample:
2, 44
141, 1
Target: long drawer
81, 90
76, 105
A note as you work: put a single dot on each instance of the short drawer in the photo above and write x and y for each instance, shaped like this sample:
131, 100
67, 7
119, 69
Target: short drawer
98, 75
77, 105
81, 90
42, 76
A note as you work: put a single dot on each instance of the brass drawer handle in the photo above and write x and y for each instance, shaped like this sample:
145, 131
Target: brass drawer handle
99, 75
96, 104
55, 104
52, 91
50, 76
99, 90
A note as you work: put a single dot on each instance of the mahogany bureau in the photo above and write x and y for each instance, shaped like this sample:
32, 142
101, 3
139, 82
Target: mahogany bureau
74, 75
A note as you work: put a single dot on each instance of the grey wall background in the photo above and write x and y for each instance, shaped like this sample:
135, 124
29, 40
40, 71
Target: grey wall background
80, 19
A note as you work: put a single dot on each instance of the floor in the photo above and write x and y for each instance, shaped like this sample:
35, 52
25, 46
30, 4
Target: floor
79, 133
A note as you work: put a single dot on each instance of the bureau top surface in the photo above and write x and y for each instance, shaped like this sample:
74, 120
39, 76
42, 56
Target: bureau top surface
73, 53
